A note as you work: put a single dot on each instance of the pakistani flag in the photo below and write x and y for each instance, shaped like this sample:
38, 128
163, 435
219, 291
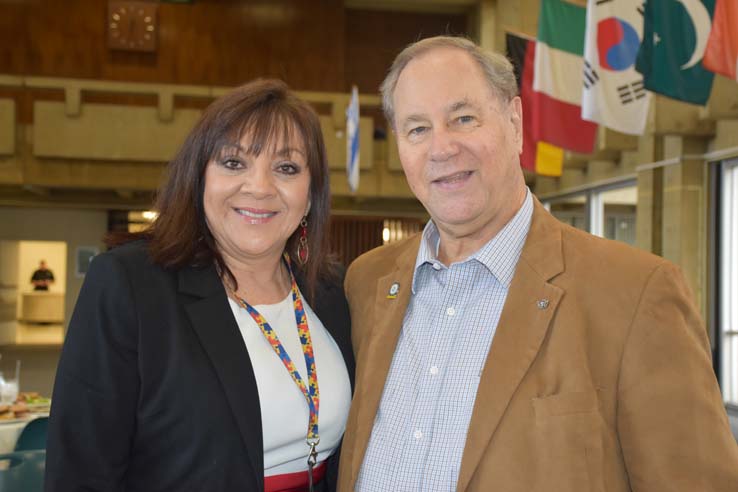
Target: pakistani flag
675, 34
614, 95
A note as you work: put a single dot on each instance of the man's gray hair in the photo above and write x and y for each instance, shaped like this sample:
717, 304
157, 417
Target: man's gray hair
496, 68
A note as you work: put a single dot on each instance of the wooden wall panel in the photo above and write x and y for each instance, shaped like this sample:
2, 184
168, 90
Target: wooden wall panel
374, 38
208, 42
351, 236
312, 44
354, 235
13, 36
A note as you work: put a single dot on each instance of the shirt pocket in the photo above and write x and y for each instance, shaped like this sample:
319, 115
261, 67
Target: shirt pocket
569, 437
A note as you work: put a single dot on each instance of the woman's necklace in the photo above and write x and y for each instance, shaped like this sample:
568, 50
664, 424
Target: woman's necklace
309, 391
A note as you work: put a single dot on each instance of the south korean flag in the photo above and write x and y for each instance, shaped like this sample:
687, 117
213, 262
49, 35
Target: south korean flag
613, 93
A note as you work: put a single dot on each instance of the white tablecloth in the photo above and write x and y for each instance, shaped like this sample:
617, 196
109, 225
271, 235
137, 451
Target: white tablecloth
9, 432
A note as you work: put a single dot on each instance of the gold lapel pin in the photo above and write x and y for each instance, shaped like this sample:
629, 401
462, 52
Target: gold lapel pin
394, 289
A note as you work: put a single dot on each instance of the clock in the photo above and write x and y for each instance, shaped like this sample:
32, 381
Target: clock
132, 25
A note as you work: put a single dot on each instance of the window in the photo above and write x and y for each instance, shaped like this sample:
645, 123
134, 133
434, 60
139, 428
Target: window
728, 281
571, 209
608, 212
617, 210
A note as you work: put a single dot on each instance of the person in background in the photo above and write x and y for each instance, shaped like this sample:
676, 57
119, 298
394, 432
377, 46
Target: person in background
212, 351
501, 350
42, 277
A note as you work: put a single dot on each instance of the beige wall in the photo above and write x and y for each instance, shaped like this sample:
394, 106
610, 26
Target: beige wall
8, 280
73, 227
9, 264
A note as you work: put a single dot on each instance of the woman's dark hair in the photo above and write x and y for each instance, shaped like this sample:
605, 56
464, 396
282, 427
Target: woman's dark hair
269, 113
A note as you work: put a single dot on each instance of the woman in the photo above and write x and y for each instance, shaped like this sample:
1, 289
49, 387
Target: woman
174, 373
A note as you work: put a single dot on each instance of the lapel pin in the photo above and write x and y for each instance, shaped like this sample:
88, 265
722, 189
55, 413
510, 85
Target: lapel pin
394, 289
542, 303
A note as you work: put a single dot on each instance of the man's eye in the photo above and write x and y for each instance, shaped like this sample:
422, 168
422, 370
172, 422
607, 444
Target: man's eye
465, 119
417, 131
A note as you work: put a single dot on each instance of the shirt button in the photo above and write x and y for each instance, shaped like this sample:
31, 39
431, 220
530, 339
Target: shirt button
436, 266
450, 311
434, 370
418, 434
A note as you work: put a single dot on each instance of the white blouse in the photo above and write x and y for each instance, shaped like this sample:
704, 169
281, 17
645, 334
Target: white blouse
284, 411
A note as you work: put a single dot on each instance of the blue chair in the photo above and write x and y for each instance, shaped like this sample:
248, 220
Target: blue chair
33, 435
22, 471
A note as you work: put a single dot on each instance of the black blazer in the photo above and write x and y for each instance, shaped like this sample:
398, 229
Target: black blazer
155, 389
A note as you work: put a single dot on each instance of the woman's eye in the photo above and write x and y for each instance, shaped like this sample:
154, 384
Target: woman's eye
289, 168
232, 163
465, 119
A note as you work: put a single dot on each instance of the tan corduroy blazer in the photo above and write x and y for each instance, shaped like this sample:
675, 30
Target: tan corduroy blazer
599, 377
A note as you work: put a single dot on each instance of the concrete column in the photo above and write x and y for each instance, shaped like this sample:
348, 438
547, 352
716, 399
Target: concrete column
571, 178
546, 184
684, 218
601, 169
487, 27
648, 210
726, 134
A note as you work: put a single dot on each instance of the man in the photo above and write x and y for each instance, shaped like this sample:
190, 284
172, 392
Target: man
42, 277
502, 350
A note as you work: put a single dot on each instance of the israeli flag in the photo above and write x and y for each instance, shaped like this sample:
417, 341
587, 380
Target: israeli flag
352, 140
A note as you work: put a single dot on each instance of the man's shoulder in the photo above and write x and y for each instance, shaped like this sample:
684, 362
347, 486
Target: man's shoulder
594, 248
378, 261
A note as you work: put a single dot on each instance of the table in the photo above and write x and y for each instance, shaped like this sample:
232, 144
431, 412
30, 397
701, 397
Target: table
10, 430
42, 307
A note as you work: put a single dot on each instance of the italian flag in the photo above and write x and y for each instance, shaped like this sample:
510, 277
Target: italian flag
558, 77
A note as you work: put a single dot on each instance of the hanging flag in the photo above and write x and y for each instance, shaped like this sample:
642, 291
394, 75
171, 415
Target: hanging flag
537, 156
721, 54
521, 52
549, 159
614, 95
557, 77
517, 48
675, 34
352, 140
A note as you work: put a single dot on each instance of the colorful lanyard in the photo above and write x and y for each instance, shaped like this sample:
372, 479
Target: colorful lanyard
312, 395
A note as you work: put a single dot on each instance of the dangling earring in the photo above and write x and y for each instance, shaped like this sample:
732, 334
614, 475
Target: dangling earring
303, 253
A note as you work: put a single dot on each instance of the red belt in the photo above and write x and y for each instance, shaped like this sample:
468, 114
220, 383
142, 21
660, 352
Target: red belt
293, 482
